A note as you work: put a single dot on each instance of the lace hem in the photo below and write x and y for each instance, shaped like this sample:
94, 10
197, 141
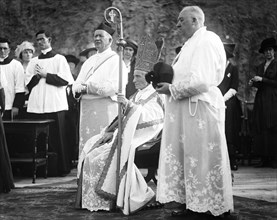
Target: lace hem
208, 209
94, 209
197, 208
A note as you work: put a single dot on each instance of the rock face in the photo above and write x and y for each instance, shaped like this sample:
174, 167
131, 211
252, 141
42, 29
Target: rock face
245, 22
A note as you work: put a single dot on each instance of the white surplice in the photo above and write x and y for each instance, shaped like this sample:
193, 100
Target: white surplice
194, 165
99, 107
14, 77
47, 98
142, 122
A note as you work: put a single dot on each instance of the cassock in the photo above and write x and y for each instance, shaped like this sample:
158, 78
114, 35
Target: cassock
99, 107
13, 72
142, 123
194, 165
48, 100
6, 176
229, 88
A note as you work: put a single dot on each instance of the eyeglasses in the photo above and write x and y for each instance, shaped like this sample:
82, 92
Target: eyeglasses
4, 48
41, 39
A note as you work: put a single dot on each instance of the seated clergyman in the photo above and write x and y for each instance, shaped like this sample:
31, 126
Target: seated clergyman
142, 122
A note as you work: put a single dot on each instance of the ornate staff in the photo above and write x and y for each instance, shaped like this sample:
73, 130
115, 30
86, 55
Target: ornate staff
114, 12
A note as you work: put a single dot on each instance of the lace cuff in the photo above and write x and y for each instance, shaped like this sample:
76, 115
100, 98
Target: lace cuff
182, 90
103, 89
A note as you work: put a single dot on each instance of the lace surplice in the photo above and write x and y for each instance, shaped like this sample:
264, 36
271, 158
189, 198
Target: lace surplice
93, 169
194, 170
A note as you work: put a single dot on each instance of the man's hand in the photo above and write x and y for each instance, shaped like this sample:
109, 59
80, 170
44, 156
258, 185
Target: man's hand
257, 79
79, 88
40, 71
15, 112
122, 99
163, 88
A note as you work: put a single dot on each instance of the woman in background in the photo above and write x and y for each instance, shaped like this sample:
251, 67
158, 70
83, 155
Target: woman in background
24, 53
265, 106
129, 58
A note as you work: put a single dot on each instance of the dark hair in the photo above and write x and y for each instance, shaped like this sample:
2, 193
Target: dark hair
47, 34
72, 59
132, 44
4, 40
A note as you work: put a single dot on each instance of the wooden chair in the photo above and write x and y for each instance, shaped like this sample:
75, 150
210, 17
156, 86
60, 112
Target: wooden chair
147, 156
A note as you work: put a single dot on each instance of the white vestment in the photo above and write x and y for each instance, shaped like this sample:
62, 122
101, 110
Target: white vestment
13, 73
142, 122
44, 97
99, 107
194, 165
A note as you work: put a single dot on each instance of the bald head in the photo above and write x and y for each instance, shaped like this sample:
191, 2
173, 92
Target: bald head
195, 12
190, 19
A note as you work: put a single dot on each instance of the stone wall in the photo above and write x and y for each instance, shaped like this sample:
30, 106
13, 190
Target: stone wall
245, 22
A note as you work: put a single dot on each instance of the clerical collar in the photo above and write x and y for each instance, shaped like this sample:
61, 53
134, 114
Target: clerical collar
46, 50
141, 92
49, 54
105, 51
7, 60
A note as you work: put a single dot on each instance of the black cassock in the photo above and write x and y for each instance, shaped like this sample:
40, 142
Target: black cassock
6, 176
233, 108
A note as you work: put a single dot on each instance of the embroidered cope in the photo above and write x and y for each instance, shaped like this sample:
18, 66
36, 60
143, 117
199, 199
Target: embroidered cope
142, 122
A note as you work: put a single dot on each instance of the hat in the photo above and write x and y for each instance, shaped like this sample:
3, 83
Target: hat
266, 43
229, 49
106, 27
72, 59
25, 45
90, 47
132, 44
148, 54
162, 72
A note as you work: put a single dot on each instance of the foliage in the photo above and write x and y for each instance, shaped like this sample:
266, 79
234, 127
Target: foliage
245, 22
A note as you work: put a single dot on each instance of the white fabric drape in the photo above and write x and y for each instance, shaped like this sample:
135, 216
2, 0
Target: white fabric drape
99, 107
194, 165
142, 123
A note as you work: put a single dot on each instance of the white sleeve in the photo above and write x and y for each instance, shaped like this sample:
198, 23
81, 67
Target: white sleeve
19, 78
202, 73
231, 92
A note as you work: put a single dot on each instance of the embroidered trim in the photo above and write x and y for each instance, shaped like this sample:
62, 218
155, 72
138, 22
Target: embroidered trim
149, 124
110, 158
104, 173
89, 75
130, 111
